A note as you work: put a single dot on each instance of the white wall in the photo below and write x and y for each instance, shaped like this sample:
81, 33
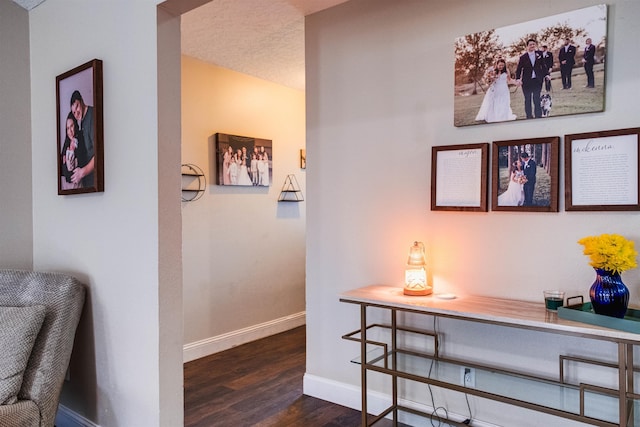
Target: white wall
125, 242
379, 96
243, 252
16, 243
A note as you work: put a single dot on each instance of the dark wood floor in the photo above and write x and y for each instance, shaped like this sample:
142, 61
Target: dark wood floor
258, 384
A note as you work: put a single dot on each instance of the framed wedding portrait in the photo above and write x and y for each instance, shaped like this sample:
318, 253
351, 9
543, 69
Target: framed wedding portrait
601, 171
500, 76
525, 175
80, 153
459, 177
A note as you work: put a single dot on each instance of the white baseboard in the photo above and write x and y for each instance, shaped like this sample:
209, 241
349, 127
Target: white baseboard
342, 394
67, 418
202, 348
349, 395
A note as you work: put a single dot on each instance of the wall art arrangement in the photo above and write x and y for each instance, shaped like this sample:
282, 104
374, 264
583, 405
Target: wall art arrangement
243, 160
459, 177
80, 129
525, 175
601, 171
551, 66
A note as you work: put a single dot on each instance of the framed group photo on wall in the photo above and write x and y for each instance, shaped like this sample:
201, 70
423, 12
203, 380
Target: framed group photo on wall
459, 177
525, 175
243, 160
80, 129
601, 171
547, 67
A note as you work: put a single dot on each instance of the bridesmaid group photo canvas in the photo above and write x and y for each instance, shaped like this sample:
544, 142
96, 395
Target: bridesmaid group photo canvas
243, 160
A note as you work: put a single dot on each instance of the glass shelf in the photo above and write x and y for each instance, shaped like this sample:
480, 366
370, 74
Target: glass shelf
547, 393
412, 357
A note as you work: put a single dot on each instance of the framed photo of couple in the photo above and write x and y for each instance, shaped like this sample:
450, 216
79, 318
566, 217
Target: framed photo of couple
547, 67
525, 175
80, 151
601, 171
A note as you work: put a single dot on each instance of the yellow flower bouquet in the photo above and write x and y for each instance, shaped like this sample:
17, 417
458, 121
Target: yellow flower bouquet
610, 252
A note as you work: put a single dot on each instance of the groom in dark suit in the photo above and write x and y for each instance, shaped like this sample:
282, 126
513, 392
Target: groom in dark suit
566, 56
530, 73
529, 167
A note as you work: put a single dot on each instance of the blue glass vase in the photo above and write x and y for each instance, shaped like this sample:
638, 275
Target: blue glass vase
609, 296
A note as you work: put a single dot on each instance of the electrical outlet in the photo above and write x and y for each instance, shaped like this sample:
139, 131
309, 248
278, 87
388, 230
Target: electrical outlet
468, 377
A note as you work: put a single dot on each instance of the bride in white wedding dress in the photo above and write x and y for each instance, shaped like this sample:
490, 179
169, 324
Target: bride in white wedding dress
514, 196
496, 105
243, 173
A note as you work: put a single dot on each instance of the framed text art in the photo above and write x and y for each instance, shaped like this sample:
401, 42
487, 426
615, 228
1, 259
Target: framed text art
601, 171
459, 177
80, 129
525, 175
243, 160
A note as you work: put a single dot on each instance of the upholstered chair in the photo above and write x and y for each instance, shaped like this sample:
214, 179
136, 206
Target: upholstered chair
39, 314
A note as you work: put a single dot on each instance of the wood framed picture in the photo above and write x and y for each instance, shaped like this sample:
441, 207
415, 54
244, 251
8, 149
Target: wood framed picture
525, 175
243, 160
459, 177
601, 171
80, 129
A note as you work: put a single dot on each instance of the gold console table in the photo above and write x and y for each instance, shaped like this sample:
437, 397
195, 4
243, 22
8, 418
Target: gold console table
391, 356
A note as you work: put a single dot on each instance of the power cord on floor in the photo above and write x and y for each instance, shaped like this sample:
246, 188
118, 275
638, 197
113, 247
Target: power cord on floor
434, 414
468, 420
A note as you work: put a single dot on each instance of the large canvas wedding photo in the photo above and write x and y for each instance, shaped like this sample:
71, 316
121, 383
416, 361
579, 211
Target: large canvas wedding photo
547, 67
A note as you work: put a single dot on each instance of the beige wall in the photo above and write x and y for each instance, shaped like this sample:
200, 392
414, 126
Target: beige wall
16, 225
379, 96
243, 252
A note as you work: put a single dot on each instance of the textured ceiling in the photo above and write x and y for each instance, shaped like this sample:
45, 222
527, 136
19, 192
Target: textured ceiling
261, 38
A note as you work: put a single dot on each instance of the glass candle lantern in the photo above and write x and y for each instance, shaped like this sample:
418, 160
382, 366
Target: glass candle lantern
415, 276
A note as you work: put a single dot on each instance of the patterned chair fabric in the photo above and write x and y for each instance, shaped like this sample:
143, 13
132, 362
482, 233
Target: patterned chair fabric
63, 296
